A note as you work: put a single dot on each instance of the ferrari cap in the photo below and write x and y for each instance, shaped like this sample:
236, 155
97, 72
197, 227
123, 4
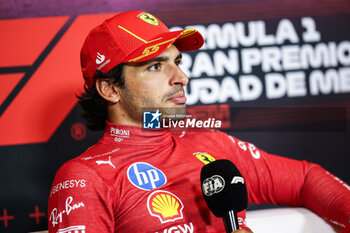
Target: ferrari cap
129, 37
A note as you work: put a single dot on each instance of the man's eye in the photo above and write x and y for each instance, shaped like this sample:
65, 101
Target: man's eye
154, 67
178, 62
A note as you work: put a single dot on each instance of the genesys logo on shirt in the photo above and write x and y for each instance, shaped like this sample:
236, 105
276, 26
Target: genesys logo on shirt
67, 184
145, 176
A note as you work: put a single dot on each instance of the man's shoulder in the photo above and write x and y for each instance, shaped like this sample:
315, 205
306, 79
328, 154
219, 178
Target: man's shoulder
89, 163
72, 168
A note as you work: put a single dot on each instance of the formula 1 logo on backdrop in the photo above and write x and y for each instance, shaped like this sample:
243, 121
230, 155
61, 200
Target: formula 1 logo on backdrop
145, 176
36, 71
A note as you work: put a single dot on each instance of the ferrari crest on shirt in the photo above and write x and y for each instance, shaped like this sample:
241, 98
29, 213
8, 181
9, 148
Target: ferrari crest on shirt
148, 18
165, 205
204, 157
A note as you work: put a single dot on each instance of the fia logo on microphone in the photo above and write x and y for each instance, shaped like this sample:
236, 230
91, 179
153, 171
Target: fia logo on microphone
212, 185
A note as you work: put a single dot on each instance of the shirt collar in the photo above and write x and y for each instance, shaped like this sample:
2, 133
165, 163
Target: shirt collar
135, 135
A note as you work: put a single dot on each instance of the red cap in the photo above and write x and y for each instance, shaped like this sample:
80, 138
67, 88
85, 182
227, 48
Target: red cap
132, 36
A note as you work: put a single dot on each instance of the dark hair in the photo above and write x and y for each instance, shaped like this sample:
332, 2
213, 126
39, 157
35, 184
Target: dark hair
93, 105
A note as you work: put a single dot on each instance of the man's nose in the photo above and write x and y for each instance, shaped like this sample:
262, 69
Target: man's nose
178, 77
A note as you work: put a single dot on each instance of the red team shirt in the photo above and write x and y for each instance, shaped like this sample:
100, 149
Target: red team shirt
135, 180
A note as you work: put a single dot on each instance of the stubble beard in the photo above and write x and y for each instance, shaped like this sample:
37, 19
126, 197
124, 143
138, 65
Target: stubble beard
135, 110
175, 113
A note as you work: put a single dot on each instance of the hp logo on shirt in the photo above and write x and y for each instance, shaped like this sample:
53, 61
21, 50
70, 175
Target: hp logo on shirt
146, 177
151, 120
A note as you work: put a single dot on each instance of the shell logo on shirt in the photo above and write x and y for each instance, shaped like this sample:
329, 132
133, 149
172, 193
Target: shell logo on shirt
204, 157
165, 205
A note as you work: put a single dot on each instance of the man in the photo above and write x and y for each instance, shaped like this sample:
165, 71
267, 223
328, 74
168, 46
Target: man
136, 180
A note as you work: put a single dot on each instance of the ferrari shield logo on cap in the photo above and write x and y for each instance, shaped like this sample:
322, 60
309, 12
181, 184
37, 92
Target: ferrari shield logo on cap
148, 18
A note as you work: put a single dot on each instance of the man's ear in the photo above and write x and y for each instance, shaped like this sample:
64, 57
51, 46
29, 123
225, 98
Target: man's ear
107, 90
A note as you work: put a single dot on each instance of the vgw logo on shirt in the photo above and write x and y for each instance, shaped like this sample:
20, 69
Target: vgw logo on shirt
151, 120
145, 176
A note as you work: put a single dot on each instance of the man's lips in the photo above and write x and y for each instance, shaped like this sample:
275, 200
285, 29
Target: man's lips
178, 98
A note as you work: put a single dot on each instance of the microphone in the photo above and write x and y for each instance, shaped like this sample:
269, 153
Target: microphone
224, 191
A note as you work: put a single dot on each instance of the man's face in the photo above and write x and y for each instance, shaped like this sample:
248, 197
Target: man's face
156, 84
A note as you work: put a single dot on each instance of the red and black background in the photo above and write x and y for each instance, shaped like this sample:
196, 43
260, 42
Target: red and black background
40, 123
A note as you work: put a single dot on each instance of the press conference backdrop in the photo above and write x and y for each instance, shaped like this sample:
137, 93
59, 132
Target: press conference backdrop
259, 57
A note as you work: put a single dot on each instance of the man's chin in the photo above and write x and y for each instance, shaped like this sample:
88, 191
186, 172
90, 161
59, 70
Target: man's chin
174, 113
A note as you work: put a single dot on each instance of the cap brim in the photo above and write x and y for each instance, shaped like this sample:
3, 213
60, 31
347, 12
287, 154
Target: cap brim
184, 40
189, 40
